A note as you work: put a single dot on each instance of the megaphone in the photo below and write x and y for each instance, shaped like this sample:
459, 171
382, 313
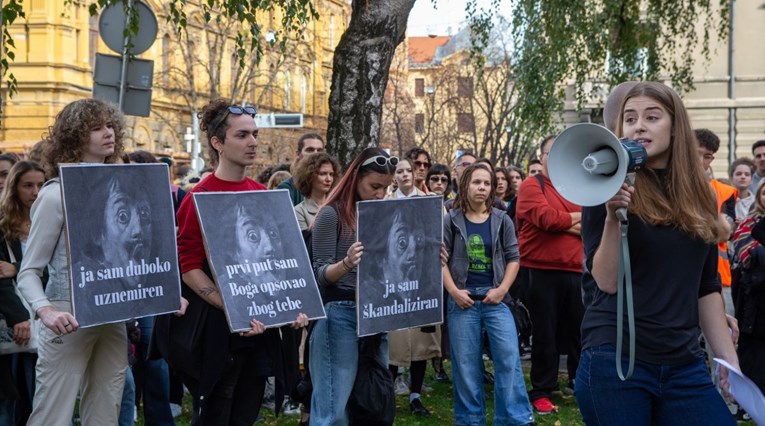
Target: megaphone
588, 164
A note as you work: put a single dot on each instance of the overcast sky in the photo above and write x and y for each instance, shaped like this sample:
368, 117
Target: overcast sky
424, 20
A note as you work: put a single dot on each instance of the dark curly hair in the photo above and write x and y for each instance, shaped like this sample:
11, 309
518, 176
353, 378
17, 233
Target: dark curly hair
208, 117
309, 166
70, 134
415, 152
142, 156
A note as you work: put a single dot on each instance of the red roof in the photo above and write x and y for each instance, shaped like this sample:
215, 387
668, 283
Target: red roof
422, 49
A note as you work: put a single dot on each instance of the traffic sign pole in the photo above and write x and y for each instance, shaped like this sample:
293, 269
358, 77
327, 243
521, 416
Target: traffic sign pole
125, 57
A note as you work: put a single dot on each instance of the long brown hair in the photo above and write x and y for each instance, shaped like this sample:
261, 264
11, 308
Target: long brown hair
461, 202
512, 193
685, 199
345, 195
70, 134
12, 211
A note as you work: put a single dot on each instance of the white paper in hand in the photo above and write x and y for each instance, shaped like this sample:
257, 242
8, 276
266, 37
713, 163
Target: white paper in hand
747, 394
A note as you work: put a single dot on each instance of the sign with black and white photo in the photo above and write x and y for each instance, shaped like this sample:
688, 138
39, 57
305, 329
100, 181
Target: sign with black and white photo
258, 257
400, 278
120, 227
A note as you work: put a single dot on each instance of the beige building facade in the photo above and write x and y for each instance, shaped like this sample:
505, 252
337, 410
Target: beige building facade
55, 59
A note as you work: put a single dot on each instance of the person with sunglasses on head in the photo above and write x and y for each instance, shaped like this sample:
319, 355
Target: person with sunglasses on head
334, 346
225, 373
420, 164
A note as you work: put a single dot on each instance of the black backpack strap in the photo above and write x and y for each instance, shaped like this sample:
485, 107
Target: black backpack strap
541, 180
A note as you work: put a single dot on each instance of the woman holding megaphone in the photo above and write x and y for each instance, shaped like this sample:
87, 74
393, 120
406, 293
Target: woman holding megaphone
673, 230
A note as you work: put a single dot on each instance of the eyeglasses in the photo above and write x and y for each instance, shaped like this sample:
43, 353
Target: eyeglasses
464, 164
422, 164
381, 161
437, 179
232, 109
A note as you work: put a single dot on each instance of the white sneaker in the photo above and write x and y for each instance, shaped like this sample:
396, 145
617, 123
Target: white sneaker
291, 408
401, 386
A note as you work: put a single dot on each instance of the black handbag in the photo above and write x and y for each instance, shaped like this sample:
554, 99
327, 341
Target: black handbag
373, 400
521, 316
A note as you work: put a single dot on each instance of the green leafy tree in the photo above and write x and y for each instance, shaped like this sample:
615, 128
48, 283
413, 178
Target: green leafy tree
554, 41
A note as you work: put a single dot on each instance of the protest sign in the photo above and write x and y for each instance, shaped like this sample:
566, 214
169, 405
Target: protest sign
120, 229
258, 257
399, 278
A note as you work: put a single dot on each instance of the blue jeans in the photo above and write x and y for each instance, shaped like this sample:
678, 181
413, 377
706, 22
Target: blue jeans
127, 407
655, 395
334, 361
156, 382
511, 403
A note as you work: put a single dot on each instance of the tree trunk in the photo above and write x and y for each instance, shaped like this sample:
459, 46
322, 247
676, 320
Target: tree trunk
360, 73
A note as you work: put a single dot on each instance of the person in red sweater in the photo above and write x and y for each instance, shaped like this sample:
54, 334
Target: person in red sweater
551, 250
228, 381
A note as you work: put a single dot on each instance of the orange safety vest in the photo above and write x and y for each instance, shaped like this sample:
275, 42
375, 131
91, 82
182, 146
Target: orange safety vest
723, 192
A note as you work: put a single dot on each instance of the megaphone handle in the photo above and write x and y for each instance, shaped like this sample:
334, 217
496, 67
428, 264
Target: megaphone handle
621, 213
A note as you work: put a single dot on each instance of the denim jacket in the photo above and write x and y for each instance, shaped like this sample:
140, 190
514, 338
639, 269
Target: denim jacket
504, 247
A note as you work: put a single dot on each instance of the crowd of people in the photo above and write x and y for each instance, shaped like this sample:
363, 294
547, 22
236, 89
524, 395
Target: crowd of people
509, 238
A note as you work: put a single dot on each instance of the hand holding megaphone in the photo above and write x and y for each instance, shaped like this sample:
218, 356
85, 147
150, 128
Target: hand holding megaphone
619, 203
588, 165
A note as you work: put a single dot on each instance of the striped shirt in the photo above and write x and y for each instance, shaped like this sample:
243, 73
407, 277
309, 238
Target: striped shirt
329, 248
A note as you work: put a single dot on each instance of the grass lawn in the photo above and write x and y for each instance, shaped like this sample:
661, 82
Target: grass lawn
439, 402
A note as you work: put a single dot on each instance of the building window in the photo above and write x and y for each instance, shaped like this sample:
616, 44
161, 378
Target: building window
419, 123
303, 93
92, 40
419, 87
166, 65
465, 123
465, 87
332, 31
287, 91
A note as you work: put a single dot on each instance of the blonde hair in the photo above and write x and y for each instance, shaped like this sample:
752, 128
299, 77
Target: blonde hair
684, 199
758, 209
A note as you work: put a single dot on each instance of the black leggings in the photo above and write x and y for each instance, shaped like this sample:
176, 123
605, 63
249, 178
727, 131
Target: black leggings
417, 371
